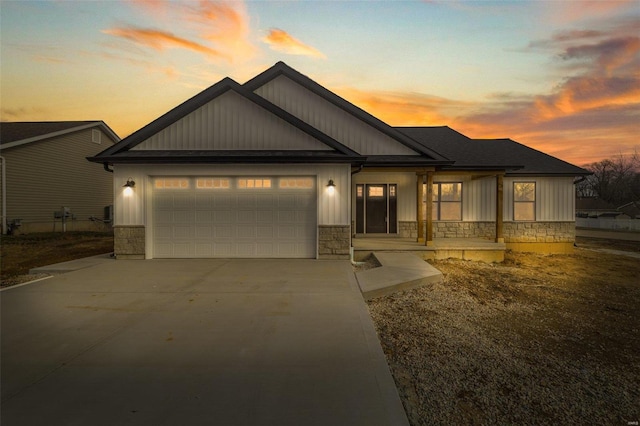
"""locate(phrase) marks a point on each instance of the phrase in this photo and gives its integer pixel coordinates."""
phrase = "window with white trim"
(252, 183)
(171, 183)
(524, 201)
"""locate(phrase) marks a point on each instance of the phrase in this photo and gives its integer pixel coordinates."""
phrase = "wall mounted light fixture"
(331, 187)
(130, 183)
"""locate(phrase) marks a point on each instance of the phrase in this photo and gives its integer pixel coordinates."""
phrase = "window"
(212, 183)
(254, 183)
(524, 201)
(359, 191)
(296, 183)
(447, 201)
(375, 191)
(172, 183)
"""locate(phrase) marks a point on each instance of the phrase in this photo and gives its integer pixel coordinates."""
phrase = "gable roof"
(122, 152)
(16, 133)
(280, 68)
(473, 154)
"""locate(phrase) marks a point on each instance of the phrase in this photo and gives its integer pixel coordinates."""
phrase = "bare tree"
(615, 180)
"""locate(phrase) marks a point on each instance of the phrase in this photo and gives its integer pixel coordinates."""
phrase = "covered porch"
(479, 249)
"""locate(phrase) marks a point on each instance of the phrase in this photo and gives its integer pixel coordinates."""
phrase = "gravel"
(535, 340)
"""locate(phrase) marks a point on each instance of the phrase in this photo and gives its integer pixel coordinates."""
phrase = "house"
(594, 207)
(282, 167)
(47, 184)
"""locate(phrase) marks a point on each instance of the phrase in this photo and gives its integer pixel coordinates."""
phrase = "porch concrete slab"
(73, 265)
(398, 271)
(195, 342)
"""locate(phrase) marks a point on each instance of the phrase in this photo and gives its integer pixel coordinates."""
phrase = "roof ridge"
(207, 95)
(281, 68)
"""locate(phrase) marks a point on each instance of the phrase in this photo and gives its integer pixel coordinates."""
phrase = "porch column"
(419, 205)
(429, 208)
(499, 207)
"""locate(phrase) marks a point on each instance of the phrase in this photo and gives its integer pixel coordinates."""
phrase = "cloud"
(565, 12)
(222, 24)
(401, 108)
(161, 40)
(282, 41)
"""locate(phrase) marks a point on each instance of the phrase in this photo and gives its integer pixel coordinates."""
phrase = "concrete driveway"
(195, 342)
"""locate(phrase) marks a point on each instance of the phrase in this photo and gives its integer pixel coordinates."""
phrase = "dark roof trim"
(240, 156)
(201, 99)
(281, 68)
(61, 128)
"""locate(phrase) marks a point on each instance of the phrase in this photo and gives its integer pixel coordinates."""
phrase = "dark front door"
(376, 209)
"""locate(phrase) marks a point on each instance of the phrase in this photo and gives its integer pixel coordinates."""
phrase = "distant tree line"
(615, 180)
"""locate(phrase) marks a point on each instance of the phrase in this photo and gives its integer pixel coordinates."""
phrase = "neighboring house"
(631, 210)
(44, 171)
(282, 167)
(594, 207)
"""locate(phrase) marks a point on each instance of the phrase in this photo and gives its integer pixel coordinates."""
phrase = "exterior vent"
(96, 136)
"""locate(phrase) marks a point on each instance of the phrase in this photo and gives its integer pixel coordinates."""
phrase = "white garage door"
(204, 217)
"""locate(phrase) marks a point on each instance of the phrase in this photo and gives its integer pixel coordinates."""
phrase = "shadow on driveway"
(190, 342)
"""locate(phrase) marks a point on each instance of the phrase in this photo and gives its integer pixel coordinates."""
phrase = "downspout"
(353, 262)
(3, 161)
(106, 167)
(582, 179)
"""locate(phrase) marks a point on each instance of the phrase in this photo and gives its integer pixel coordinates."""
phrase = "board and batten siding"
(330, 119)
(136, 209)
(44, 176)
(231, 122)
(555, 198)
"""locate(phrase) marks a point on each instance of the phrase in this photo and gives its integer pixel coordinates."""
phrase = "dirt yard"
(20, 253)
(535, 340)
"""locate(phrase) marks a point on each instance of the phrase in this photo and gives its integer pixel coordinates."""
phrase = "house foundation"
(129, 241)
(334, 241)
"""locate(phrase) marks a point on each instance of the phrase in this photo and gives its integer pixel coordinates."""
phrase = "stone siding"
(129, 242)
(539, 232)
(408, 229)
(334, 241)
(464, 229)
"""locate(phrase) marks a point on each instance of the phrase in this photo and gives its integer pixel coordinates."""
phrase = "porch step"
(399, 271)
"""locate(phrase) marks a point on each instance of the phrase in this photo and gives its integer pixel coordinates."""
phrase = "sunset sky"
(560, 76)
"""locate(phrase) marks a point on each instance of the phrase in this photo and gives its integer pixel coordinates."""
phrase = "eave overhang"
(226, 157)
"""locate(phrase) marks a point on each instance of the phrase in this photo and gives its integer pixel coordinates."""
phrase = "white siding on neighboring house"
(330, 119)
(131, 210)
(231, 122)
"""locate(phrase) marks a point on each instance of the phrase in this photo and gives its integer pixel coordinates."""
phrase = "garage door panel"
(264, 233)
(246, 249)
(221, 231)
(183, 233)
(247, 232)
(247, 201)
(246, 217)
(235, 222)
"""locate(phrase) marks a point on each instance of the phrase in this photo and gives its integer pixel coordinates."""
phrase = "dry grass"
(20, 253)
(535, 340)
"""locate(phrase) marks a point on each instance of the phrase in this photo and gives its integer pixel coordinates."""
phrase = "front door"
(376, 208)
